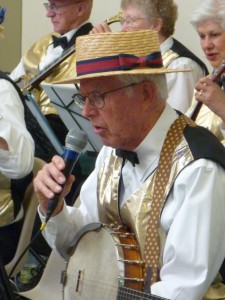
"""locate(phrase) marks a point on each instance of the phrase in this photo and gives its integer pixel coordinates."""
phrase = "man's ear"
(82, 8)
(149, 90)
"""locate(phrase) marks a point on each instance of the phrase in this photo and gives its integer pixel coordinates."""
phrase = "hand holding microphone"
(75, 143)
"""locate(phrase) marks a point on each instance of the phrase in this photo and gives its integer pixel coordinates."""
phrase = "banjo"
(104, 263)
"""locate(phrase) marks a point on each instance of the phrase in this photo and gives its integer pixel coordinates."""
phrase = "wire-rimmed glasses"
(95, 98)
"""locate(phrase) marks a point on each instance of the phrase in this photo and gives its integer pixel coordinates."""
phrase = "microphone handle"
(70, 157)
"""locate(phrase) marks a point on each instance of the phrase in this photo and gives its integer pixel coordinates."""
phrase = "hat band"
(118, 62)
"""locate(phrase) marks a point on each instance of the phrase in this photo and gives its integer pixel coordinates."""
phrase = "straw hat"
(117, 53)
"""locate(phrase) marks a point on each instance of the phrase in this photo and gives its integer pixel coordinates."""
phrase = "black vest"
(183, 51)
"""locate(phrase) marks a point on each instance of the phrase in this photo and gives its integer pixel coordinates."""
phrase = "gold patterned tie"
(152, 242)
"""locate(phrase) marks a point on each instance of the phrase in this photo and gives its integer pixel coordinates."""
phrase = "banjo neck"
(126, 294)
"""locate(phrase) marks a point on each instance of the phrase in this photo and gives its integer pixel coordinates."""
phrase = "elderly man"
(153, 175)
(69, 19)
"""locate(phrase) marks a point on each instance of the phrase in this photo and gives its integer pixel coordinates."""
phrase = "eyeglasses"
(96, 99)
(56, 8)
(130, 21)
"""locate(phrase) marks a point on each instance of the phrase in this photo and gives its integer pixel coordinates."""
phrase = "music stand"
(6, 291)
(5, 288)
(61, 96)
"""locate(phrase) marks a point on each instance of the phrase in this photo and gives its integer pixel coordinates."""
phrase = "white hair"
(159, 80)
(213, 10)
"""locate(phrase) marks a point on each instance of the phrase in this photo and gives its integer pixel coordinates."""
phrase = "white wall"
(35, 24)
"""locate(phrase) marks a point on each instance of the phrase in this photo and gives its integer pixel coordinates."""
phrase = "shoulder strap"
(197, 138)
(181, 50)
(152, 247)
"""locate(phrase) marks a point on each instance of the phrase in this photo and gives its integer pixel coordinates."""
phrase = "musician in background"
(209, 22)
(162, 16)
(16, 163)
(123, 92)
(69, 19)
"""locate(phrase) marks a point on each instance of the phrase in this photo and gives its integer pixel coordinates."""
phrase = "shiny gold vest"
(32, 58)
(168, 57)
(207, 119)
(6, 202)
(135, 212)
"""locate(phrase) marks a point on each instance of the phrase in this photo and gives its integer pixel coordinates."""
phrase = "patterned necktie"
(59, 41)
(128, 155)
(152, 241)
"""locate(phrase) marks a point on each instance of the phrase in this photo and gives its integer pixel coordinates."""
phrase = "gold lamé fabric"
(6, 202)
(207, 119)
(135, 212)
(168, 57)
(32, 58)
(216, 291)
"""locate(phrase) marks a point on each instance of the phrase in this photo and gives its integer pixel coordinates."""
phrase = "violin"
(215, 77)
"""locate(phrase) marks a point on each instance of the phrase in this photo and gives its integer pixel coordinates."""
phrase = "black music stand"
(6, 291)
(61, 96)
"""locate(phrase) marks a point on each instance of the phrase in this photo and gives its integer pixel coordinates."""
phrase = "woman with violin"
(209, 21)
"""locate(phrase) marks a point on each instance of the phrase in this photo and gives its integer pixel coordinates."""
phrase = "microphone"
(75, 142)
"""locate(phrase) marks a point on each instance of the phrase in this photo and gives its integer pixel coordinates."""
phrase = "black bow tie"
(59, 41)
(129, 155)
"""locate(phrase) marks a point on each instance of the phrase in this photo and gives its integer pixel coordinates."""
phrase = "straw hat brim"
(141, 71)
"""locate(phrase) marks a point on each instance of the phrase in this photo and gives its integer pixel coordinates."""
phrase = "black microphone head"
(76, 140)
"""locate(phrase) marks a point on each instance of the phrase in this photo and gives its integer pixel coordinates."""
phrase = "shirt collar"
(167, 44)
(150, 148)
(71, 33)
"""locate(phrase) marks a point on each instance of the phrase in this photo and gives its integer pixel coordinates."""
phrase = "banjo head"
(97, 268)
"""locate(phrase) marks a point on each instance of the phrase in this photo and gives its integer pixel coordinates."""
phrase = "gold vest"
(168, 57)
(135, 212)
(6, 202)
(32, 58)
(207, 119)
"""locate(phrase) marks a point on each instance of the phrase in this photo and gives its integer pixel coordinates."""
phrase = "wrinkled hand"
(211, 95)
(100, 28)
(49, 181)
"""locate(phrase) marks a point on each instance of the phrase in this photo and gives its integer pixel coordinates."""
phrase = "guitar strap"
(152, 241)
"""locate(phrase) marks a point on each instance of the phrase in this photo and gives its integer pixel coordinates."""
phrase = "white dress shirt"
(193, 217)
(51, 55)
(181, 84)
(18, 161)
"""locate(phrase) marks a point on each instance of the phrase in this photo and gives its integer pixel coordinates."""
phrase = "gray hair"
(213, 10)
(159, 80)
(164, 9)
